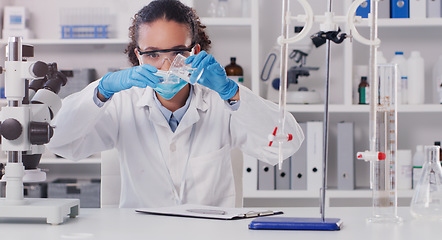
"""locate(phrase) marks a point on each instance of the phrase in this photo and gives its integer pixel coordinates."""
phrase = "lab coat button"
(172, 147)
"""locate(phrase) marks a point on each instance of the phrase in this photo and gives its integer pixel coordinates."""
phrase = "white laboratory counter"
(114, 223)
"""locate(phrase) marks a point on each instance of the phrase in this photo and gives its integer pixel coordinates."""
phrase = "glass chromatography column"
(383, 171)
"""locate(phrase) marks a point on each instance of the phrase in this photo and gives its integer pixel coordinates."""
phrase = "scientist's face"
(163, 35)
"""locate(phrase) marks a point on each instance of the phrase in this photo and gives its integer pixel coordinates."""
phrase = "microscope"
(299, 56)
(32, 102)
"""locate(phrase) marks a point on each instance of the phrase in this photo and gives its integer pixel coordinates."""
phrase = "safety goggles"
(156, 58)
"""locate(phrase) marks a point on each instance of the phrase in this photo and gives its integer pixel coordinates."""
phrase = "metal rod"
(14, 49)
(14, 53)
(326, 121)
(326, 125)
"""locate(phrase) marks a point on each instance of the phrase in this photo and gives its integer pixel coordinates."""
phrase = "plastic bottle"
(437, 143)
(381, 59)
(405, 169)
(418, 161)
(364, 91)
(402, 88)
(416, 78)
(437, 81)
(222, 8)
(234, 71)
(440, 93)
(213, 6)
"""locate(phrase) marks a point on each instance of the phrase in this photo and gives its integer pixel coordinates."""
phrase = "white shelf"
(341, 108)
(92, 160)
(55, 160)
(108, 41)
(406, 22)
(358, 193)
(230, 22)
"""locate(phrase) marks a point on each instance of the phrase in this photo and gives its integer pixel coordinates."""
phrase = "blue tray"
(289, 223)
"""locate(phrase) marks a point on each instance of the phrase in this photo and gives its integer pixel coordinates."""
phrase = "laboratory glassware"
(364, 91)
(234, 71)
(427, 199)
(179, 69)
(418, 162)
(384, 170)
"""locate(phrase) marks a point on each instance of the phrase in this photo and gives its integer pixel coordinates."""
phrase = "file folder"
(250, 174)
(364, 9)
(282, 177)
(418, 9)
(314, 155)
(434, 8)
(266, 176)
(384, 9)
(400, 8)
(345, 156)
(298, 160)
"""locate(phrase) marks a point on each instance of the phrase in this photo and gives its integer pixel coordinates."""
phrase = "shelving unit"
(417, 124)
(341, 108)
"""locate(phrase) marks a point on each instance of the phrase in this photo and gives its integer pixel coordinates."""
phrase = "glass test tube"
(384, 176)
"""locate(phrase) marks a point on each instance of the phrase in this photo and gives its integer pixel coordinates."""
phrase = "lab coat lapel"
(196, 107)
(154, 112)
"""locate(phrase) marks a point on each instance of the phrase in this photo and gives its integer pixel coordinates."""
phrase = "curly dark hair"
(170, 10)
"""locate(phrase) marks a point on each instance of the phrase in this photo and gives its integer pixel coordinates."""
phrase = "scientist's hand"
(139, 76)
(214, 75)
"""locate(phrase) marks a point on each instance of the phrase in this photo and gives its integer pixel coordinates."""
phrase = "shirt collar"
(199, 101)
(179, 113)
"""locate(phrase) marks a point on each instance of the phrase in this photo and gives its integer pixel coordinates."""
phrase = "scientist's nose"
(166, 64)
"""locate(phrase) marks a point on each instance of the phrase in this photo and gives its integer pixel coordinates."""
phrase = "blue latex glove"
(139, 76)
(214, 75)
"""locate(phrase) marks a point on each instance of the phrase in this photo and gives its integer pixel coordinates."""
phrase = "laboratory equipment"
(16, 22)
(218, 8)
(79, 23)
(437, 81)
(427, 199)
(211, 10)
(25, 129)
(405, 169)
(222, 9)
(329, 32)
(418, 162)
(234, 71)
(383, 170)
(179, 69)
(298, 54)
(364, 91)
(402, 91)
(416, 78)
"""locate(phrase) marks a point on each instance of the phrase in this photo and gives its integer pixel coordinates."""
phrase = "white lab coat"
(132, 122)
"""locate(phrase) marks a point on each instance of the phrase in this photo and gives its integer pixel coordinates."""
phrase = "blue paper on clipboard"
(290, 223)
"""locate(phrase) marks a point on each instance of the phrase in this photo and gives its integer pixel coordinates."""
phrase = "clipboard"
(202, 211)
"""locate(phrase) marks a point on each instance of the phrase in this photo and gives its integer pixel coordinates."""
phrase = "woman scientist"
(173, 140)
